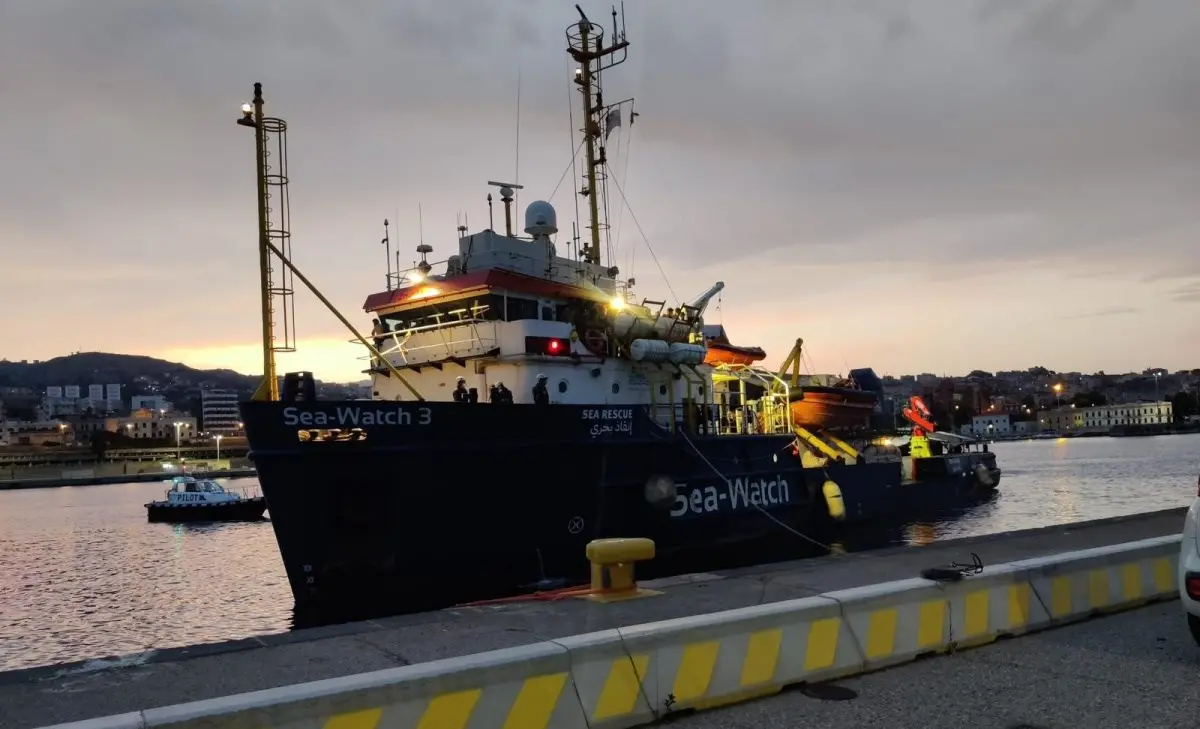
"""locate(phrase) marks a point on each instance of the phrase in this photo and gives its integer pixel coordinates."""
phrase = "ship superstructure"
(508, 310)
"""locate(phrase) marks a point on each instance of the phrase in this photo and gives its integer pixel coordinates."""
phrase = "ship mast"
(274, 240)
(586, 45)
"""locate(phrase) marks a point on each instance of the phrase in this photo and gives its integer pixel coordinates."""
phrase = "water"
(83, 575)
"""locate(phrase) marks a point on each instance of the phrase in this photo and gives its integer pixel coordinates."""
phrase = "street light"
(178, 449)
(218, 437)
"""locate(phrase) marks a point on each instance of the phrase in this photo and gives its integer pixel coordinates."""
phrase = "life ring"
(596, 342)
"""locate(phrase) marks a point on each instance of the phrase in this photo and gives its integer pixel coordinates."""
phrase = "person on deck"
(505, 394)
(701, 419)
(460, 390)
(541, 396)
(377, 332)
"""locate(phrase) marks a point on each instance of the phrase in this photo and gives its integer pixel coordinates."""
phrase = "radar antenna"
(585, 44)
(506, 197)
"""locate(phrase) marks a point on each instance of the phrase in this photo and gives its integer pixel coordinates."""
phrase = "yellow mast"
(274, 245)
(588, 49)
(252, 116)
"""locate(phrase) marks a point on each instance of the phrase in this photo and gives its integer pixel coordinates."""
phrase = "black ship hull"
(385, 507)
(244, 510)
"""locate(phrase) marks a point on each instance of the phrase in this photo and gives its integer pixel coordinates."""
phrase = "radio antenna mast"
(585, 44)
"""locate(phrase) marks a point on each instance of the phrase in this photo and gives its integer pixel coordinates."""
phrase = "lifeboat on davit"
(729, 354)
(841, 406)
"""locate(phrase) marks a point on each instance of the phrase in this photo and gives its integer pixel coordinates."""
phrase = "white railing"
(480, 338)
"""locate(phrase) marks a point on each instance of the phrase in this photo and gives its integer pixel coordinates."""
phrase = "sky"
(911, 185)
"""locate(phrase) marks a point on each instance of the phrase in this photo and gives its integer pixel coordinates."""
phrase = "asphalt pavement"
(1134, 670)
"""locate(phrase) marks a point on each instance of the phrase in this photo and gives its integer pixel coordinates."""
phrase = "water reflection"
(920, 534)
(82, 570)
(82, 574)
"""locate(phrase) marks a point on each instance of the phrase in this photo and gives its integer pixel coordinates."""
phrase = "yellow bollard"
(612, 563)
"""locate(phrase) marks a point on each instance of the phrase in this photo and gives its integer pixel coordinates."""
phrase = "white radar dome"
(540, 219)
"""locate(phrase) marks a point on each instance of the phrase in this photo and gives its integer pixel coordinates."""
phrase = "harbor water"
(83, 575)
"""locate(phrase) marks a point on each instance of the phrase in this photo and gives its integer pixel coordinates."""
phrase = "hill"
(136, 374)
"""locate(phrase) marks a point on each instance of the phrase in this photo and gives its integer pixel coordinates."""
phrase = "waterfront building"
(991, 424)
(1102, 418)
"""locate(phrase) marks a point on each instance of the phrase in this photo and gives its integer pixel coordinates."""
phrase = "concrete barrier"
(637, 675)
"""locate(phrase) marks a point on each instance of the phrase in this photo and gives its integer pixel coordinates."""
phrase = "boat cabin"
(189, 490)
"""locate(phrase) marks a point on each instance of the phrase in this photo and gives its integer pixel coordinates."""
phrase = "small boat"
(839, 406)
(191, 499)
(827, 401)
(731, 354)
(722, 352)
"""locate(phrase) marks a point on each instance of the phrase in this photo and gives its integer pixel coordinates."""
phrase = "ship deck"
(48, 695)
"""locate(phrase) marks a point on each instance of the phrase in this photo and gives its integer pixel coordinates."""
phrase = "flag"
(612, 121)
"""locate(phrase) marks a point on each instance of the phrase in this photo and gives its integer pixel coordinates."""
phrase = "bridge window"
(521, 309)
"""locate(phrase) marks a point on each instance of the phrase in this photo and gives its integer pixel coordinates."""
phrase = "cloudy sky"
(914, 185)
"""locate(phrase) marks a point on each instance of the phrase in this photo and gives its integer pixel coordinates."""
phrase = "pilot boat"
(192, 499)
(524, 402)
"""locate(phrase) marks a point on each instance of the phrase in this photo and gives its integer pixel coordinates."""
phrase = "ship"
(524, 402)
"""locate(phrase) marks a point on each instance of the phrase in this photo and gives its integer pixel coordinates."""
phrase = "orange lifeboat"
(728, 354)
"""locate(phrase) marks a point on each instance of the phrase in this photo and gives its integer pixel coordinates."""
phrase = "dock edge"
(641, 674)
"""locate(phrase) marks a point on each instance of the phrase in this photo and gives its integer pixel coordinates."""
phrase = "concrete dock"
(1136, 669)
(39, 697)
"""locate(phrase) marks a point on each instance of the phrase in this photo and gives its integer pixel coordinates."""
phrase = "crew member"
(505, 394)
(494, 394)
(460, 390)
(701, 419)
(541, 396)
(377, 332)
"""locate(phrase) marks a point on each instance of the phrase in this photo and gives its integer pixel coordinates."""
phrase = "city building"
(34, 433)
(154, 424)
(1025, 427)
(85, 427)
(1102, 418)
(219, 411)
(62, 400)
(149, 402)
(993, 424)
(112, 397)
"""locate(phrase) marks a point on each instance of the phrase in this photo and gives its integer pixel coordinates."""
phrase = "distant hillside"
(102, 368)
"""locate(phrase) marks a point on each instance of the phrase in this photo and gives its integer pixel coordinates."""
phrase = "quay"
(110, 686)
(1136, 669)
(100, 480)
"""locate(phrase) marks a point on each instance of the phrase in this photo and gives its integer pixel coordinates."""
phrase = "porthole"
(562, 385)
(616, 388)
(662, 389)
